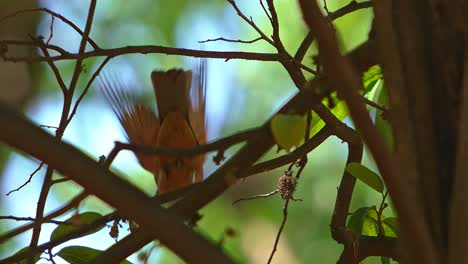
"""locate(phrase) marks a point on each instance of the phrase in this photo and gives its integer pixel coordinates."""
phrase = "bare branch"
(250, 22)
(147, 49)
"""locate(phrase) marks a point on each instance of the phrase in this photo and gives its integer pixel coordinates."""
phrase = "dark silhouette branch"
(147, 49)
(130, 202)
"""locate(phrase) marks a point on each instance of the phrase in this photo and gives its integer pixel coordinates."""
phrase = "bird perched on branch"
(178, 124)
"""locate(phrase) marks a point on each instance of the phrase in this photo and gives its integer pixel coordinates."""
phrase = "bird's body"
(180, 124)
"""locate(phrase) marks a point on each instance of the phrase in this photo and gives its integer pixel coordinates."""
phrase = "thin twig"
(266, 12)
(217, 145)
(68, 95)
(7, 42)
(325, 7)
(275, 25)
(71, 204)
(278, 235)
(53, 14)
(57, 181)
(51, 34)
(62, 239)
(47, 126)
(147, 49)
(375, 105)
(231, 40)
(301, 163)
(16, 218)
(52, 66)
(88, 85)
(28, 181)
(250, 22)
(255, 197)
(349, 8)
(292, 156)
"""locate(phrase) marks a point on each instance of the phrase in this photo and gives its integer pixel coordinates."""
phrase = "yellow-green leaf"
(365, 175)
(288, 130)
(390, 226)
(81, 255)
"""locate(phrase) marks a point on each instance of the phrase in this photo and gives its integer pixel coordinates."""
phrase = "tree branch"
(347, 83)
(130, 201)
(147, 49)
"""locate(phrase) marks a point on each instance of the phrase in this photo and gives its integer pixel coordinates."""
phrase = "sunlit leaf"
(365, 175)
(370, 224)
(288, 130)
(356, 220)
(390, 227)
(340, 111)
(75, 222)
(81, 255)
(370, 77)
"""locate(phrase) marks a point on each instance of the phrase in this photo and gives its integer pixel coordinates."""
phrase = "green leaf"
(370, 224)
(288, 130)
(340, 111)
(390, 226)
(365, 175)
(370, 77)
(25, 260)
(81, 255)
(356, 221)
(75, 222)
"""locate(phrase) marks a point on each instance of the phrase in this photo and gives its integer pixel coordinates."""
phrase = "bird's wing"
(197, 114)
(139, 122)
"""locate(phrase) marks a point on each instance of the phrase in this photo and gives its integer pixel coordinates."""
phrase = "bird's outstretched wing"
(139, 122)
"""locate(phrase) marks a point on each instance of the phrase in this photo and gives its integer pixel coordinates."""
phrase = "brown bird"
(179, 124)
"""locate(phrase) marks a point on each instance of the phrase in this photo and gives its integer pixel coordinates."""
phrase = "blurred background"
(241, 95)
